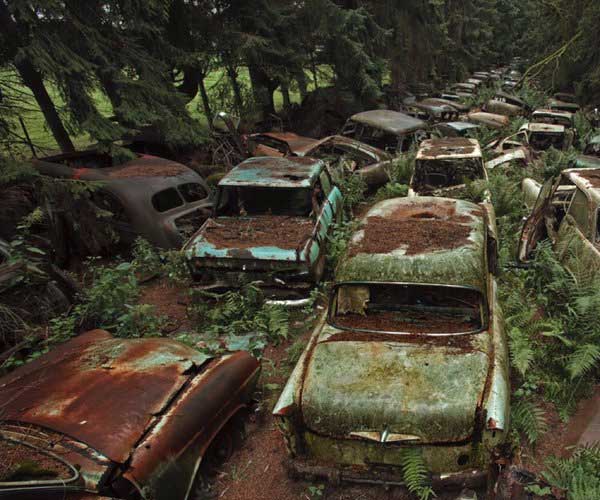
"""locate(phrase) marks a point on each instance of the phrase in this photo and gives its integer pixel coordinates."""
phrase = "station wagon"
(411, 352)
(271, 226)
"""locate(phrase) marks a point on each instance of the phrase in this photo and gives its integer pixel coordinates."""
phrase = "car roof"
(461, 125)
(449, 147)
(267, 171)
(393, 122)
(553, 112)
(100, 390)
(298, 144)
(418, 240)
(586, 179)
(543, 127)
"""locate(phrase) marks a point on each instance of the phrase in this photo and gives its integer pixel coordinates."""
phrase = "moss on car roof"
(419, 240)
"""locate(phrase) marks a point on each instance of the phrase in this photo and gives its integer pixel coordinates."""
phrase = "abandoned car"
(391, 131)
(490, 120)
(271, 226)
(502, 108)
(553, 117)
(464, 89)
(565, 211)
(162, 201)
(591, 154)
(368, 162)
(456, 104)
(543, 136)
(444, 167)
(560, 105)
(411, 353)
(133, 419)
(430, 111)
(520, 156)
(455, 129)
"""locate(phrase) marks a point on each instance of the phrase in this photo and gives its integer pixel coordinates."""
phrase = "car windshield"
(252, 200)
(436, 174)
(407, 308)
(544, 140)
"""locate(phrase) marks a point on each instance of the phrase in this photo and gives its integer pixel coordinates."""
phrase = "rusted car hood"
(276, 238)
(95, 389)
(428, 391)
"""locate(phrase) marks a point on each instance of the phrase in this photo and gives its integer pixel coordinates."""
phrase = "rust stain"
(96, 389)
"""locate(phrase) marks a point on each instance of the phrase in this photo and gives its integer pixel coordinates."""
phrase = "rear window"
(166, 200)
(192, 192)
(543, 141)
(407, 308)
(436, 174)
(265, 201)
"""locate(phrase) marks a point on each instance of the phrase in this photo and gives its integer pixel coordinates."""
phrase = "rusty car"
(130, 419)
(271, 225)
(430, 110)
(502, 108)
(347, 156)
(490, 120)
(564, 210)
(520, 156)
(411, 352)
(455, 129)
(554, 117)
(160, 200)
(543, 136)
(464, 89)
(444, 167)
(559, 103)
(392, 131)
(453, 103)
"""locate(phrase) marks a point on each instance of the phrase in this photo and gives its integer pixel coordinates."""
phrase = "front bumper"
(383, 475)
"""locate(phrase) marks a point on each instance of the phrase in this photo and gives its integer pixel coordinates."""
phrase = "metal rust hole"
(463, 459)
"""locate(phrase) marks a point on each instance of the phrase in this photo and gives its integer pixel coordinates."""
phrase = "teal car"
(591, 154)
(270, 226)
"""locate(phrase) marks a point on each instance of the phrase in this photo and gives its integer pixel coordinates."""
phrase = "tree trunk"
(237, 93)
(206, 103)
(302, 84)
(262, 88)
(32, 79)
(285, 92)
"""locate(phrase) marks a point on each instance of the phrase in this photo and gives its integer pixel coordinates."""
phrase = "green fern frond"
(528, 418)
(415, 473)
(583, 359)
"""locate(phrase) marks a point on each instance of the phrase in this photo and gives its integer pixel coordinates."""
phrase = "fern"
(529, 419)
(583, 359)
(415, 473)
(578, 475)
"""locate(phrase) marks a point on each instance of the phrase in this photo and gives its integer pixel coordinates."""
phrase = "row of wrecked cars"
(410, 353)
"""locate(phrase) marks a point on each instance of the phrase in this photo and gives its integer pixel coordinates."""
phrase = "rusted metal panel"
(393, 122)
(175, 444)
(451, 147)
(100, 390)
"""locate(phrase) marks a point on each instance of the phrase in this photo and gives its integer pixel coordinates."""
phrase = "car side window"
(579, 210)
(110, 203)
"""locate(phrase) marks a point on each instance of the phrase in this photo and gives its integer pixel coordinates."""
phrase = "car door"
(534, 228)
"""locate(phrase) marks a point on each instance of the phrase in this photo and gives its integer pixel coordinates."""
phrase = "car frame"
(446, 153)
(392, 131)
(357, 397)
(565, 210)
(222, 255)
(131, 191)
(125, 418)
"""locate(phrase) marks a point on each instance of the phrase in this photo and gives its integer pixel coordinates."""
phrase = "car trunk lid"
(406, 392)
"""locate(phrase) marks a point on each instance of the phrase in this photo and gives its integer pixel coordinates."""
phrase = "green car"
(411, 352)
